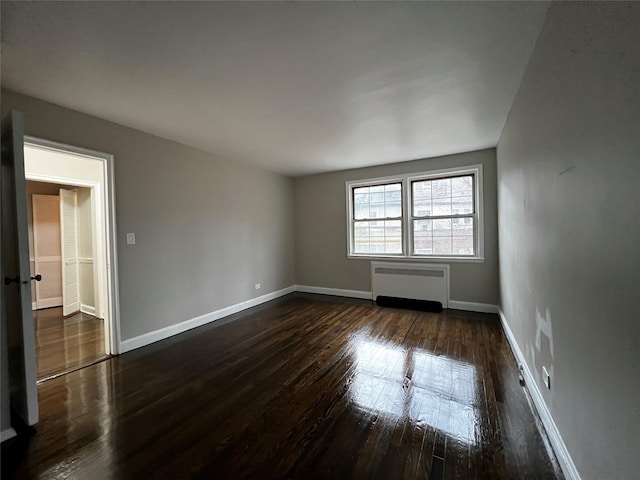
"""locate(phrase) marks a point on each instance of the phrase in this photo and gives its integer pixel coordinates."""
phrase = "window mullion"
(407, 223)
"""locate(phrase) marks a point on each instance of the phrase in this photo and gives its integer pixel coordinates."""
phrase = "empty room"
(320, 240)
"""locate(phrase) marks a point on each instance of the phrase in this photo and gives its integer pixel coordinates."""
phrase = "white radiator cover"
(419, 281)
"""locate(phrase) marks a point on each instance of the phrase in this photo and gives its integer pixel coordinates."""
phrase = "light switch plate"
(131, 238)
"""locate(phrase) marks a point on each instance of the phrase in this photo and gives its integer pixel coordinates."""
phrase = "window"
(377, 219)
(431, 215)
(443, 216)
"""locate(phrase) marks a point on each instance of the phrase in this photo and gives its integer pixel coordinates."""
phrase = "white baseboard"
(34, 306)
(559, 447)
(473, 306)
(157, 335)
(88, 309)
(161, 334)
(339, 292)
(6, 434)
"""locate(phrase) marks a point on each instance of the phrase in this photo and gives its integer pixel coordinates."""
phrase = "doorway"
(68, 333)
(76, 315)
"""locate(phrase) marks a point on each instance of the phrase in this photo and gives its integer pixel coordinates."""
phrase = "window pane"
(463, 245)
(361, 237)
(442, 246)
(377, 237)
(379, 201)
(443, 196)
(442, 236)
(462, 195)
(421, 198)
(377, 193)
(462, 226)
(442, 227)
(442, 206)
(423, 237)
(362, 211)
(393, 236)
(441, 188)
(393, 200)
(361, 202)
(393, 209)
(376, 210)
(393, 187)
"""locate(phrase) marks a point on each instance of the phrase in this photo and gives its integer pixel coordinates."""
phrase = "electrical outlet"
(257, 286)
(131, 238)
(546, 377)
(521, 375)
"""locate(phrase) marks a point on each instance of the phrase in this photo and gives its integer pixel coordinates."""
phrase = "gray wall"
(206, 229)
(321, 230)
(569, 199)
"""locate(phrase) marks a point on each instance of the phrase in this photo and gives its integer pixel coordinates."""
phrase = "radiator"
(410, 280)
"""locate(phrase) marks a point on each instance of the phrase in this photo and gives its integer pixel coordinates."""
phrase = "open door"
(46, 250)
(69, 238)
(17, 316)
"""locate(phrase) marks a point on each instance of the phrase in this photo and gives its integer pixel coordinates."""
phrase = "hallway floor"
(66, 344)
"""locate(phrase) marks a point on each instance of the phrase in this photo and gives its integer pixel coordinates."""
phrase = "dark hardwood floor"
(66, 344)
(303, 387)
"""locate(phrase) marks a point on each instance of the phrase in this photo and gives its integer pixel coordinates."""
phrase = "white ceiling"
(296, 88)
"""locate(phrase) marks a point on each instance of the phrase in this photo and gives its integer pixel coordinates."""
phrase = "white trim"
(85, 260)
(171, 330)
(40, 177)
(163, 333)
(473, 306)
(559, 447)
(6, 434)
(88, 309)
(338, 292)
(104, 242)
(34, 306)
(453, 304)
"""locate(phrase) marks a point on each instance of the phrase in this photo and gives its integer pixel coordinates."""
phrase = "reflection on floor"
(307, 386)
(65, 344)
(427, 389)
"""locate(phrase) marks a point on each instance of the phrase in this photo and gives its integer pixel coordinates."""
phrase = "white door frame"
(103, 210)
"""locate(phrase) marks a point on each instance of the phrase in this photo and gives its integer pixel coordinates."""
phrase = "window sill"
(419, 259)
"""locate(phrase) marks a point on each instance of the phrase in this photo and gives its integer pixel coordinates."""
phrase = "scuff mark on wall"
(541, 351)
(566, 170)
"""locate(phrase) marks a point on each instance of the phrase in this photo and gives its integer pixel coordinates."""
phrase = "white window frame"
(407, 213)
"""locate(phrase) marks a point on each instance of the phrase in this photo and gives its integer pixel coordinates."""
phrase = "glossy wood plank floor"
(304, 387)
(65, 344)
